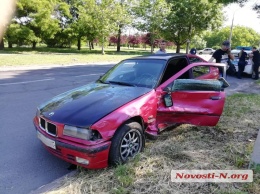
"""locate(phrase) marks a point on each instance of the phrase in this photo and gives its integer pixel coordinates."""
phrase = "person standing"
(256, 60)
(162, 49)
(241, 63)
(222, 55)
(193, 51)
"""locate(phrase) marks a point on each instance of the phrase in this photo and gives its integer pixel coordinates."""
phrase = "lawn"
(65, 56)
(224, 147)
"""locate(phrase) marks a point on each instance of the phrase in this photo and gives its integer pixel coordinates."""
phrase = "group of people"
(224, 53)
(255, 55)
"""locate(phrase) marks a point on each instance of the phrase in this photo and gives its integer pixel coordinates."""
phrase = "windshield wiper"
(101, 81)
(121, 83)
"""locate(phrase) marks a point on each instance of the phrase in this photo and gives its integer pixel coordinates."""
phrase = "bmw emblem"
(51, 114)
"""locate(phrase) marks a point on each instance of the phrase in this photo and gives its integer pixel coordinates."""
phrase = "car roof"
(245, 47)
(165, 56)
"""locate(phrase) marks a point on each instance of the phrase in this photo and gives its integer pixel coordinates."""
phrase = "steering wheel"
(146, 79)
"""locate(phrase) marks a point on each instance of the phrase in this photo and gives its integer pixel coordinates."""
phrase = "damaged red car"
(105, 122)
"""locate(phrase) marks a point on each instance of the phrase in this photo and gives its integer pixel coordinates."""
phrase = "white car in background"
(209, 51)
(248, 68)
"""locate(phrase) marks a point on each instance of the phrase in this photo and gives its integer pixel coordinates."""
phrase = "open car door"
(192, 101)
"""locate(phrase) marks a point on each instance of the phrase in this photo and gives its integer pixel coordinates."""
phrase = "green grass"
(223, 147)
(24, 56)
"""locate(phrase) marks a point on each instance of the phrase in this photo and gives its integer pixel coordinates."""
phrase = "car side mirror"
(168, 100)
(167, 97)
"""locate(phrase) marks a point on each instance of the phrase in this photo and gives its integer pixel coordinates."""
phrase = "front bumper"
(96, 155)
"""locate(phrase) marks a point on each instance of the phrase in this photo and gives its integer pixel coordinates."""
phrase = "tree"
(150, 15)
(105, 18)
(242, 36)
(65, 13)
(36, 15)
(123, 18)
(190, 18)
(112, 40)
(134, 40)
(2, 44)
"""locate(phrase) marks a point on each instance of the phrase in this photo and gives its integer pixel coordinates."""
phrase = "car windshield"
(135, 72)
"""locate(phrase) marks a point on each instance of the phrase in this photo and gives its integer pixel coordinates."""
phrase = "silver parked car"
(206, 51)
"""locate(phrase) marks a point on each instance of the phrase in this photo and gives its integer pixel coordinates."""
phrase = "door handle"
(215, 97)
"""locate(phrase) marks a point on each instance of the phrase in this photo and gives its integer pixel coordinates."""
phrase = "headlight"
(80, 133)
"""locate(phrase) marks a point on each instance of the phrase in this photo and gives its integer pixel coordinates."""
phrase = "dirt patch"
(246, 85)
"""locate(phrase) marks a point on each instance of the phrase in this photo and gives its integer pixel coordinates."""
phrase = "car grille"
(48, 127)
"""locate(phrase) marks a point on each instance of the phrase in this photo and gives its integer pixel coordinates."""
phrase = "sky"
(243, 16)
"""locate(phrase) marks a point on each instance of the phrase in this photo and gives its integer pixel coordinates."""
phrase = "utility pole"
(231, 28)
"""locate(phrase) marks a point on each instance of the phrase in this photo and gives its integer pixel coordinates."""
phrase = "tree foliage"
(62, 23)
(242, 36)
(150, 17)
(35, 19)
(190, 18)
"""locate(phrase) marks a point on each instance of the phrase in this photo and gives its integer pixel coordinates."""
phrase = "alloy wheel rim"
(130, 145)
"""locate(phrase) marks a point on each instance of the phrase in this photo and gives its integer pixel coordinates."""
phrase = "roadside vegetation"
(65, 56)
(66, 23)
(22, 56)
(227, 146)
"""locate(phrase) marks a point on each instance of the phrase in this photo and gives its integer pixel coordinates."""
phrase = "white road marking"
(26, 82)
(41, 80)
(87, 75)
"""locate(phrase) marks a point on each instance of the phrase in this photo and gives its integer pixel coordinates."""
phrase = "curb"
(54, 184)
(255, 157)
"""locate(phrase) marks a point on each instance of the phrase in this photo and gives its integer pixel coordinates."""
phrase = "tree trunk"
(89, 45)
(178, 48)
(10, 44)
(103, 49)
(34, 45)
(2, 46)
(118, 39)
(187, 47)
(92, 45)
(79, 44)
(152, 43)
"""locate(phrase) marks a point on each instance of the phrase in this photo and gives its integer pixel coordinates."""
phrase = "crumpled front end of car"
(91, 153)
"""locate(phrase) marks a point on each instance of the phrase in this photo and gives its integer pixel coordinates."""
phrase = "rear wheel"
(126, 143)
(200, 53)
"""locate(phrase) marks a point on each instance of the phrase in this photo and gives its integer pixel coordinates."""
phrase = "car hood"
(86, 105)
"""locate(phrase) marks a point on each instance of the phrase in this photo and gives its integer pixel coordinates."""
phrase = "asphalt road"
(24, 163)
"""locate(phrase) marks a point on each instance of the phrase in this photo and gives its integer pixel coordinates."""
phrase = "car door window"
(173, 67)
(195, 60)
(198, 71)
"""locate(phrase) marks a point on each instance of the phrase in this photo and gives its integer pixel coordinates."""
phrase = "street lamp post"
(231, 28)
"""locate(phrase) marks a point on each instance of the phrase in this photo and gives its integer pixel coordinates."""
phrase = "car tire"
(127, 142)
(211, 53)
(200, 53)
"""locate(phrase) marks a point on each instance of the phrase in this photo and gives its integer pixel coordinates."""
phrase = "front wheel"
(126, 143)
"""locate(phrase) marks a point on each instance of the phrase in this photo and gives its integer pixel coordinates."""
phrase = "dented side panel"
(197, 108)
